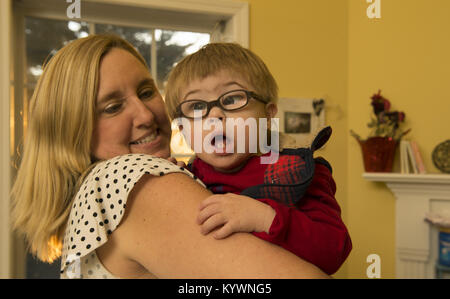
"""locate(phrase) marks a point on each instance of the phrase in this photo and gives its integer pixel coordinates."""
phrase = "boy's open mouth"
(221, 144)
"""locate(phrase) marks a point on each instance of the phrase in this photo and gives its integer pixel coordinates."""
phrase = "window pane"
(140, 38)
(46, 36)
(172, 46)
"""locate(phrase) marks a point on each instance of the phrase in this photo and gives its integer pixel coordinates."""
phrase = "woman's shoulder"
(141, 163)
(99, 204)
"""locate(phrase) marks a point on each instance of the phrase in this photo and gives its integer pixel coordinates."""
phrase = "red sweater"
(313, 230)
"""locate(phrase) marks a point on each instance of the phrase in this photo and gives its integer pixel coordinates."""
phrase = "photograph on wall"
(301, 118)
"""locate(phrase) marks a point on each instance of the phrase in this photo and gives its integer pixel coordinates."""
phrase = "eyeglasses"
(229, 101)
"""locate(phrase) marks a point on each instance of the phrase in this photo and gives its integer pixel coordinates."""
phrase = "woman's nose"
(143, 115)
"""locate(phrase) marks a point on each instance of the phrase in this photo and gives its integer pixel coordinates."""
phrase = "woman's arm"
(159, 231)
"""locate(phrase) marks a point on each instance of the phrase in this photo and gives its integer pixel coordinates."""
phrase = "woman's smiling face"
(130, 113)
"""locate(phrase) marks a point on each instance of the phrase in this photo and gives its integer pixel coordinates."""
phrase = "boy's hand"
(178, 163)
(229, 213)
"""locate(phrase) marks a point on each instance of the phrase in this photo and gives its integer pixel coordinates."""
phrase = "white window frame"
(234, 27)
(5, 154)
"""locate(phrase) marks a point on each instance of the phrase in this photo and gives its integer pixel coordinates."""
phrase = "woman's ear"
(271, 110)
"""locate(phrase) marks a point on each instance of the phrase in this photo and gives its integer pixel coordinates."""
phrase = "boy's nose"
(216, 112)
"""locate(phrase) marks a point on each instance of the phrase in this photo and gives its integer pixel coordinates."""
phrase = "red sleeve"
(314, 230)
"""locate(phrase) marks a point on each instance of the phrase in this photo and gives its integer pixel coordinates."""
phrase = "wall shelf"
(416, 240)
(431, 178)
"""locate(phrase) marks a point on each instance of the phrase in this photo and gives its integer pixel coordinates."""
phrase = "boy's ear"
(271, 110)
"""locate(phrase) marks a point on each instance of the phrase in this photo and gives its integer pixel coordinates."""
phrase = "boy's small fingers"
(207, 212)
(211, 223)
(223, 232)
(209, 200)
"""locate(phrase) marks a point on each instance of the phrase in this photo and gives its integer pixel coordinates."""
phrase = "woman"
(97, 133)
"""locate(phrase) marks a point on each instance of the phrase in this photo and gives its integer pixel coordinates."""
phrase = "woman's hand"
(229, 213)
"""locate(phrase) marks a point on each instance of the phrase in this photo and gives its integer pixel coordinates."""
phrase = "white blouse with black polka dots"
(98, 208)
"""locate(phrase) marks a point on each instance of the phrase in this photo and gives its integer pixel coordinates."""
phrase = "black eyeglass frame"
(217, 103)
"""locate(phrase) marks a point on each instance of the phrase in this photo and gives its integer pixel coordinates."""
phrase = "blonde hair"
(57, 146)
(216, 57)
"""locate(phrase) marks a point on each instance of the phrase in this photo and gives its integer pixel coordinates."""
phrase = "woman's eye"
(146, 94)
(113, 108)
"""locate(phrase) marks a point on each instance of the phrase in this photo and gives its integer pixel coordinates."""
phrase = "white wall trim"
(154, 13)
(5, 58)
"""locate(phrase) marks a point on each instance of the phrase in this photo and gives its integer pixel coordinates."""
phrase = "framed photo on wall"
(301, 118)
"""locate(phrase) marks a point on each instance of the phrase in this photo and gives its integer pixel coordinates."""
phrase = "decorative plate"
(441, 156)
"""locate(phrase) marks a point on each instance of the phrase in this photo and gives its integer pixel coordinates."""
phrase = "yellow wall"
(331, 47)
(406, 54)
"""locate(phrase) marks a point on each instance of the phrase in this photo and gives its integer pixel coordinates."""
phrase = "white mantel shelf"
(416, 240)
(432, 178)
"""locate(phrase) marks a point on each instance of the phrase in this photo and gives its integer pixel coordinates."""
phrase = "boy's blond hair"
(216, 57)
